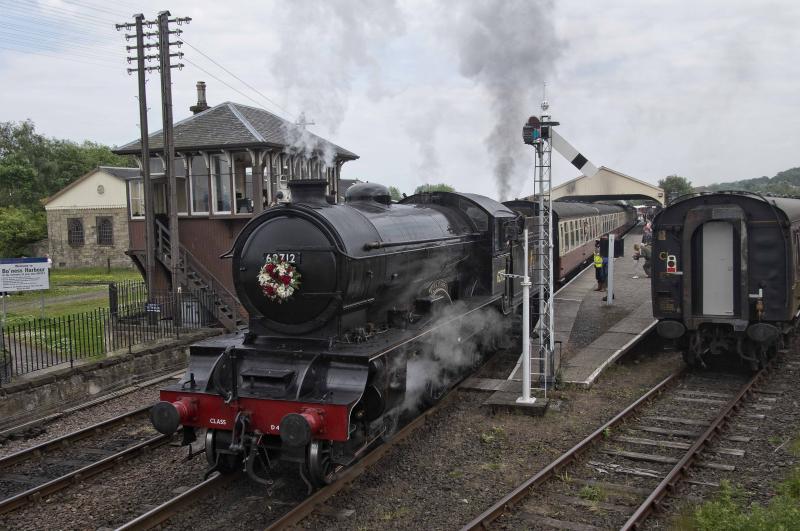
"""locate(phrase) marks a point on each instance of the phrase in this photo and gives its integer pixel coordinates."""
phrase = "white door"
(718, 285)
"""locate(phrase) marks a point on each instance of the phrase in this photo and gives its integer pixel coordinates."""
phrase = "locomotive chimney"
(310, 191)
(201, 99)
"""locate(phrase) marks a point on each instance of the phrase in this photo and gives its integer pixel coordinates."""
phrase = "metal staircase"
(195, 277)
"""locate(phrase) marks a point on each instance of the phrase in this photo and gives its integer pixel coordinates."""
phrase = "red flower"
(270, 268)
(286, 279)
(269, 290)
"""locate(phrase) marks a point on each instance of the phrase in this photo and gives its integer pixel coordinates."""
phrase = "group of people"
(641, 251)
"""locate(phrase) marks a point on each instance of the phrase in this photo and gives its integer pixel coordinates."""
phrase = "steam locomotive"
(396, 301)
(726, 276)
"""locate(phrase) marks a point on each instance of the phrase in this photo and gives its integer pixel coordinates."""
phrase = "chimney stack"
(201, 99)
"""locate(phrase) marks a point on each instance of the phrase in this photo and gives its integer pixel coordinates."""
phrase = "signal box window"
(75, 232)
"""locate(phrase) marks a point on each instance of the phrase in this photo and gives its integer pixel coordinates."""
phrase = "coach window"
(75, 232)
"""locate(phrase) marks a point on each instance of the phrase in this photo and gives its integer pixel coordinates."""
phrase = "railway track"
(304, 508)
(31, 474)
(617, 476)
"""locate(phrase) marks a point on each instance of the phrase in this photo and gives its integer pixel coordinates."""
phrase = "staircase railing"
(229, 313)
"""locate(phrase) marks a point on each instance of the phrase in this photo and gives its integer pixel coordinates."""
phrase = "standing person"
(645, 252)
(598, 266)
(647, 233)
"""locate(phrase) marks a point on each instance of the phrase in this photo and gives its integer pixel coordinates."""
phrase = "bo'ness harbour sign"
(24, 274)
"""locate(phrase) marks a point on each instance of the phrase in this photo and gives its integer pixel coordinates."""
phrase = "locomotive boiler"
(726, 275)
(357, 312)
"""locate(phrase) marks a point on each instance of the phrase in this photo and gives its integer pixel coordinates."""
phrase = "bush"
(18, 229)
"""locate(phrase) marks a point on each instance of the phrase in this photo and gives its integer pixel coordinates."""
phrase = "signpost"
(23, 274)
(20, 274)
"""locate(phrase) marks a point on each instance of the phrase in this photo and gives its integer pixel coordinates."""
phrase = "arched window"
(105, 231)
(75, 232)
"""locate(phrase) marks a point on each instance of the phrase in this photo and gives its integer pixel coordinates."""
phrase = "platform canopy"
(608, 184)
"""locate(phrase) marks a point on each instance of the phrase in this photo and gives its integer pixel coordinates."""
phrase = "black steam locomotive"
(360, 313)
(727, 275)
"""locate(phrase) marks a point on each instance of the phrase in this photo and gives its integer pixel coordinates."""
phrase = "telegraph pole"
(165, 67)
(149, 215)
(165, 54)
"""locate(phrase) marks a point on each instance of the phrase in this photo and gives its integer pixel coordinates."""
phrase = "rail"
(163, 512)
(679, 470)
(495, 511)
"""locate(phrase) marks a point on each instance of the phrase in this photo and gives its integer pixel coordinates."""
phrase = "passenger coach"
(726, 274)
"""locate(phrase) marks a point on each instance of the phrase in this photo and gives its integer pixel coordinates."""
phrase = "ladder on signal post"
(542, 362)
(542, 359)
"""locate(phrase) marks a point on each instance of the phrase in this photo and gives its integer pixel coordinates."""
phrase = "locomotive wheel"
(217, 442)
(320, 463)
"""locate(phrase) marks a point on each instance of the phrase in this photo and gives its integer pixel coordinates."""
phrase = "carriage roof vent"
(368, 192)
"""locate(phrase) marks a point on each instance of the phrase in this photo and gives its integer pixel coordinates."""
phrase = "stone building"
(87, 221)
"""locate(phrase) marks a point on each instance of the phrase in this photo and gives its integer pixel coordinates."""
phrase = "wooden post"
(257, 161)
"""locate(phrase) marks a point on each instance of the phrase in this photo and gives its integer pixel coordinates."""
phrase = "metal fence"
(48, 342)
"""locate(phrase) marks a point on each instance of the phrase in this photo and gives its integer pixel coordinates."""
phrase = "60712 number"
(274, 258)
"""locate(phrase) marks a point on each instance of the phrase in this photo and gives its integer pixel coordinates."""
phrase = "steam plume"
(508, 47)
(324, 45)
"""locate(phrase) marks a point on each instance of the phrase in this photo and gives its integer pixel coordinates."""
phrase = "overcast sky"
(437, 91)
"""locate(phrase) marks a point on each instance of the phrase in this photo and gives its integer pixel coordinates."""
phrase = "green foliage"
(395, 193)
(18, 228)
(494, 435)
(441, 187)
(783, 183)
(728, 510)
(591, 493)
(33, 167)
(675, 186)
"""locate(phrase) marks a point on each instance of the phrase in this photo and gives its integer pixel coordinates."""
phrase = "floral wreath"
(278, 279)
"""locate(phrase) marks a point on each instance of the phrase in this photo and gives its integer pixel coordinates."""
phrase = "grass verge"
(730, 510)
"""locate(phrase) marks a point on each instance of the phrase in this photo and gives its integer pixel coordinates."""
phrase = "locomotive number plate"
(292, 258)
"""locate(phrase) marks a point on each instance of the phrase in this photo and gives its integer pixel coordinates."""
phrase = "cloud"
(706, 90)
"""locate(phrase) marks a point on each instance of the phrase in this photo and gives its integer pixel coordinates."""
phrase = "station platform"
(590, 334)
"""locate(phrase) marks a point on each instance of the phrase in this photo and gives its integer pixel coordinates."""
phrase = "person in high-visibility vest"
(599, 270)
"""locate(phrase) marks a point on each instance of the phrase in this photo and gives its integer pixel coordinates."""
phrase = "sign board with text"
(24, 274)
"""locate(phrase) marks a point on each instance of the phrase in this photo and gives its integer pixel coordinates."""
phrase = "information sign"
(24, 274)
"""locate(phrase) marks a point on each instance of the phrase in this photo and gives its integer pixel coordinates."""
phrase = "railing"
(42, 343)
(188, 264)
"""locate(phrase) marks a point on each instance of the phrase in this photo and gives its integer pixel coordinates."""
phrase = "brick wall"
(90, 254)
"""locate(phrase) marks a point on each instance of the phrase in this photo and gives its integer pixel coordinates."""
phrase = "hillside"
(786, 182)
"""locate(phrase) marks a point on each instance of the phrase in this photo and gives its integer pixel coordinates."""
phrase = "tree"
(395, 193)
(441, 187)
(18, 228)
(33, 167)
(675, 186)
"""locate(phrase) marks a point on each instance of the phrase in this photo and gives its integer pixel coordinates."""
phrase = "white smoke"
(324, 45)
(300, 141)
(508, 47)
(450, 351)
(422, 127)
